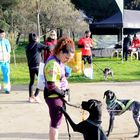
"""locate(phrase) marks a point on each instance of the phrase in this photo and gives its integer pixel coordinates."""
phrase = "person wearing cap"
(33, 54)
(5, 50)
(51, 42)
(86, 43)
(56, 84)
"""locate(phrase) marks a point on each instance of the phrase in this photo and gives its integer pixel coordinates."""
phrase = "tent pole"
(122, 27)
(122, 44)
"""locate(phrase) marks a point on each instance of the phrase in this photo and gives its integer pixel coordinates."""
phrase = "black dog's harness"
(100, 130)
(114, 103)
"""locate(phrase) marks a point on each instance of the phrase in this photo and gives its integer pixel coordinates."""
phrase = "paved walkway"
(21, 120)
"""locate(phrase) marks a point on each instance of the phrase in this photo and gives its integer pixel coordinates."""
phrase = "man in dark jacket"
(126, 45)
(33, 53)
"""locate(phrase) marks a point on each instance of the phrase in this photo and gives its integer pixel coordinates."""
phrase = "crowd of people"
(54, 53)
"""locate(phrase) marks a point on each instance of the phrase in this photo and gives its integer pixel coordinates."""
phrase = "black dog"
(107, 72)
(117, 107)
(90, 128)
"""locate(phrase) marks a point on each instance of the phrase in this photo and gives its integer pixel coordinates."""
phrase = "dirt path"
(20, 120)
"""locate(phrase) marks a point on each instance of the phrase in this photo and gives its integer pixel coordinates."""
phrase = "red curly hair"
(64, 43)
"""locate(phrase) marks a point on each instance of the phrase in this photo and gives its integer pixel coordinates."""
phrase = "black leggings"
(33, 72)
(87, 59)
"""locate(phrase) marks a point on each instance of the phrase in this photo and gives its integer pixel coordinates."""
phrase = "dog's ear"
(104, 95)
(106, 92)
(94, 103)
(90, 104)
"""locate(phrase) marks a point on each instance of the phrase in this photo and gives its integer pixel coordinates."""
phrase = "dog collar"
(94, 122)
(110, 103)
(100, 130)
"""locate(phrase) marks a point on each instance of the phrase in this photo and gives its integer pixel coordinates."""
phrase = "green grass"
(123, 72)
(19, 74)
(20, 53)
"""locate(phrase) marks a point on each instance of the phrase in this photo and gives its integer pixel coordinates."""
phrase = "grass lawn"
(123, 72)
(127, 71)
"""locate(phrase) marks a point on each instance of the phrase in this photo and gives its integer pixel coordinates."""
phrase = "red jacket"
(136, 43)
(51, 44)
(86, 44)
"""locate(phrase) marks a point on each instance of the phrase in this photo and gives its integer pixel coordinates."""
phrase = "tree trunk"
(43, 34)
(14, 55)
(59, 32)
(18, 37)
(73, 35)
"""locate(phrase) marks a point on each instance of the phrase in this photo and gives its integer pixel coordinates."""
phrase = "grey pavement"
(21, 120)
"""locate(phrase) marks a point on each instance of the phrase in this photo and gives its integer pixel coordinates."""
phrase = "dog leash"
(83, 115)
(76, 106)
(72, 105)
(98, 67)
(67, 121)
(65, 102)
(69, 104)
(68, 129)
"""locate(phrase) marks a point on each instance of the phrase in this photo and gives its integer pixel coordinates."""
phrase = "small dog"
(118, 107)
(107, 72)
(90, 128)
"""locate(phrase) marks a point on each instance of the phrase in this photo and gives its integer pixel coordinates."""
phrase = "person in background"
(135, 42)
(5, 50)
(51, 42)
(33, 53)
(126, 45)
(86, 43)
(56, 85)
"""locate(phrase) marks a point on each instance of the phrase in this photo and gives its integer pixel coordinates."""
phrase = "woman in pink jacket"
(51, 42)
